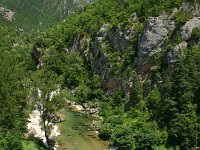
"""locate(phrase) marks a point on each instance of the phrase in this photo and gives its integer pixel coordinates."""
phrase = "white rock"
(186, 30)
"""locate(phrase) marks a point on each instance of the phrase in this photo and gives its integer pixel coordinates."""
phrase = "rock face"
(186, 30)
(194, 9)
(38, 57)
(7, 13)
(175, 53)
(94, 50)
(98, 49)
(119, 40)
(154, 35)
(151, 50)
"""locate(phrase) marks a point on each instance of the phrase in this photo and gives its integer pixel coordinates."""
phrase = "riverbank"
(78, 130)
(84, 108)
(34, 128)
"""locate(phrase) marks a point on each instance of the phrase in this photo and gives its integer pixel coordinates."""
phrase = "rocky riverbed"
(84, 108)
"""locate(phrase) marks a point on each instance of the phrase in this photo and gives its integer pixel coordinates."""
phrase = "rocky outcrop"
(85, 108)
(193, 9)
(78, 43)
(176, 53)
(186, 30)
(157, 32)
(98, 50)
(7, 13)
(119, 40)
(38, 57)
(152, 47)
(152, 39)
(94, 50)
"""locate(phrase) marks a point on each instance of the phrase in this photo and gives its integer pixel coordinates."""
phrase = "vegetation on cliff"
(99, 53)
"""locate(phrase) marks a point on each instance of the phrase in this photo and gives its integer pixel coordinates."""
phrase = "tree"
(153, 102)
(195, 34)
(122, 137)
(145, 131)
(13, 94)
(48, 99)
(12, 102)
(183, 128)
(70, 66)
(136, 94)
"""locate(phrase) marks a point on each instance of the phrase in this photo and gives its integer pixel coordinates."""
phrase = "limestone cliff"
(162, 40)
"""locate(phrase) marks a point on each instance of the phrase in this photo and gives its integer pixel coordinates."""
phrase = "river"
(75, 134)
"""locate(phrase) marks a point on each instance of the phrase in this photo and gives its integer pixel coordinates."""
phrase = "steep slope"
(138, 60)
(13, 98)
(125, 38)
(40, 14)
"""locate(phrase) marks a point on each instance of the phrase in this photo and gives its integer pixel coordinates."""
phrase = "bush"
(196, 34)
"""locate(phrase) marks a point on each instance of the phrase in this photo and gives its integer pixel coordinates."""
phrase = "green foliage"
(186, 84)
(146, 132)
(39, 15)
(162, 117)
(82, 93)
(134, 131)
(123, 139)
(13, 94)
(146, 8)
(183, 128)
(31, 145)
(106, 131)
(136, 95)
(70, 66)
(160, 147)
(153, 102)
(118, 97)
(166, 119)
(196, 34)
(12, 140)
(138, 119)
(182, 17)
(48, 99)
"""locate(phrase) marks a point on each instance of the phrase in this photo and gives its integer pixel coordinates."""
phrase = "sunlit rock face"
(152, 39)
(155, 45)
(186, 30)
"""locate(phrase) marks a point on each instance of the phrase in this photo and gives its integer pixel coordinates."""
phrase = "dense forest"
(40, 15)
(137, 61)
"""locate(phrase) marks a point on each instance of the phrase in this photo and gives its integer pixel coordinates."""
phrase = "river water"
(75, 133)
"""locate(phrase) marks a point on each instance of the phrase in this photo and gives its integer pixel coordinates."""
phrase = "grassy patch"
(31, 145)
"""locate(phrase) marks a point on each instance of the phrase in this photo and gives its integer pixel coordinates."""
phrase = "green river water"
(75, 134)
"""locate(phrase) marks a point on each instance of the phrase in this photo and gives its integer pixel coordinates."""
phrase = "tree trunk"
(46, 132)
